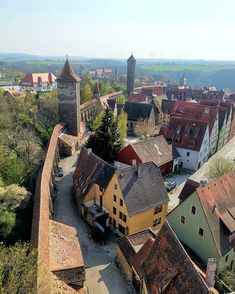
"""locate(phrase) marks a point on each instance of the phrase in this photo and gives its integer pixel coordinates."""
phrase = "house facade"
(204, 221)
(126, 200)
(191, 139)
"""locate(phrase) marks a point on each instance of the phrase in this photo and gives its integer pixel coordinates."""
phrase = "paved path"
(102, 276)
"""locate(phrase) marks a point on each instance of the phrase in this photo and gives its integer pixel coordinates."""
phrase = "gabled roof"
(168, 267)
(185, 133)
(91, 170)
(68, 74)
(218, 202)
(136, 111)
(131, 57)
(189, 187)
(35, 78)
(154, 149)
(167, 106)
(142, 187)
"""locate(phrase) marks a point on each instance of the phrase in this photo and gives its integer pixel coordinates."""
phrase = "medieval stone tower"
(68, 86)
(130, 74)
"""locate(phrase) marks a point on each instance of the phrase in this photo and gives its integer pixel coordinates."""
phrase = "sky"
(184, 29)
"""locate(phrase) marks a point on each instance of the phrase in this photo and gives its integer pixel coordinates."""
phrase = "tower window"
(114, 198)
(182, 219)
(121, 202)
(114, 210)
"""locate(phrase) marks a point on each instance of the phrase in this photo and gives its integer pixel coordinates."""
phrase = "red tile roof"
(218, 202)
(19, 94)
(185, 133)
(67, 73)
(168, 267)
(35, 78)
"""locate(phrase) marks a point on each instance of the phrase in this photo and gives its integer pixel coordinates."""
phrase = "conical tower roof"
(96, 88)
(131, 57)
(68, 74)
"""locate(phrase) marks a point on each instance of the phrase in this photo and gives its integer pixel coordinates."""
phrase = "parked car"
(170, 186)
(60, 172)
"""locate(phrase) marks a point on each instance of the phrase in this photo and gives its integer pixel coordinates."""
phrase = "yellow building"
(127, 199)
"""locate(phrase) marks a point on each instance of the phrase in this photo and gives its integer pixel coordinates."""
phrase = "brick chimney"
(210, 272)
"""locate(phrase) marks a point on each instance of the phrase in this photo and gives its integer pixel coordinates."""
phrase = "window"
(121, 229)
(120, 214)
(115, 186)
(156, 222)
(188, 153)
(226, 258)
(158, 209)
(114, 198)
(114, 210)
(201, 232)
(193, 210)
(121, 202)
(182, 219)
(124, 218)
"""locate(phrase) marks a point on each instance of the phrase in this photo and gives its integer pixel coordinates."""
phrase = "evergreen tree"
(122, 126)
(106, 141)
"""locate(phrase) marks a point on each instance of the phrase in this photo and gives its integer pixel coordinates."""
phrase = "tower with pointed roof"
(68, 86)
(130, 74)
(96, 91)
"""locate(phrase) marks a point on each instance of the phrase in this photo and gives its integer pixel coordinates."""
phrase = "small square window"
(156, 222)
(201, 232)
(182, 219)
(121, 202)
(114, 210)
(158, 209)
(188, 153)
(115, 186)
(114, 198)
(120, 214)
(193, 210)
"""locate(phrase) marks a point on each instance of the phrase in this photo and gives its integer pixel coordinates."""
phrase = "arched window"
(193, 210)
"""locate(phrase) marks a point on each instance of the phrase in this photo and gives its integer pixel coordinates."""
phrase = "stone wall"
(42, 211)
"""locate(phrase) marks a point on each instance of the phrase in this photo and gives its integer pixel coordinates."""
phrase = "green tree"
(106, 141)
(97, 121)
(86, 93)
(121, 99)
(226, 275)
(220, 167)
(122, 126)
(142, 128)
(18, 269)
(7, 224)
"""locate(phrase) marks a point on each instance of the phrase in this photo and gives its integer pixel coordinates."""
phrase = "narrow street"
(102, 275)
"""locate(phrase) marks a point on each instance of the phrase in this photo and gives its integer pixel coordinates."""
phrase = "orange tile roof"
(67, 73)
(65, 250)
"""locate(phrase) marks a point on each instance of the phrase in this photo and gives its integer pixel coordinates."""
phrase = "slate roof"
(136, 111)
(189, 187)
(185, 133)
(68, 74)
(167, 106)
(154, 149)
(90, 170)
(142, 187)
(168, 265)
(218, 202)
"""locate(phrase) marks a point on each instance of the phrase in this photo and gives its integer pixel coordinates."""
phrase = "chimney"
(138, 170)
(89, 150)
(133, 162)
(210, 272)
(203, 183)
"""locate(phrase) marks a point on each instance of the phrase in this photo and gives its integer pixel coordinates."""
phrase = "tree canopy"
(220, 167)
(106, 141)
(122, 126)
